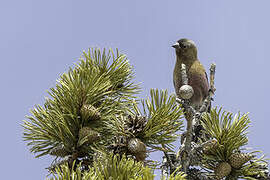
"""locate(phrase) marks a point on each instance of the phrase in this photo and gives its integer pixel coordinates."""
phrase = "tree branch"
(185, 158)
(188, 150)
(212, 89)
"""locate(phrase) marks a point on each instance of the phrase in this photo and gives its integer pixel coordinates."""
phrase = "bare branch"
(184, 74)
(212, 89)
(190, 150)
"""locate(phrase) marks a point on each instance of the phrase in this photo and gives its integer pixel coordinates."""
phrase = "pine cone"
(209, 146)
(222, 170)
(87, 135)
(238, 159)
(140, 156)
(137, 148)
(89, 112)
(59, 151)
(135, 125)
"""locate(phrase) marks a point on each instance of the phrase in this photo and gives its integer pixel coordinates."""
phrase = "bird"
(186, 53)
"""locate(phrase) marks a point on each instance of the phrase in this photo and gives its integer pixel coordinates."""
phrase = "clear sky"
(39, 40)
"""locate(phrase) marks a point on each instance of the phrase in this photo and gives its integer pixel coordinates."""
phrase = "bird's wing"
(198, 79)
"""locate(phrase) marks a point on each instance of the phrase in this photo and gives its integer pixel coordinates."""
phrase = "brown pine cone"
(222, 170)
(89, 112)
(135, 125)
(239, 159)
(137, 148)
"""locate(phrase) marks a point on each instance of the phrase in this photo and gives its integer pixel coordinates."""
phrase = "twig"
(212, 89)
(187, 153)
(185, 159)
(168, 161)
(184, 74)
(190, 153)
(164, 171)
(212, 78)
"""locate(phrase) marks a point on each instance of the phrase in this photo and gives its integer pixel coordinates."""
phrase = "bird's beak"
(176, 45)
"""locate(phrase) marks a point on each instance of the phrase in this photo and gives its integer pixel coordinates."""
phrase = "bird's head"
(186, 49)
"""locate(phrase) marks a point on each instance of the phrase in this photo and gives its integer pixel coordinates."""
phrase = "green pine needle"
(229, 131)
(101, 79)
(107, 167)
(164, 119)
(110, 166)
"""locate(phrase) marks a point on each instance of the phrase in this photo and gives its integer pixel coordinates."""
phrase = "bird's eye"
(183, 46)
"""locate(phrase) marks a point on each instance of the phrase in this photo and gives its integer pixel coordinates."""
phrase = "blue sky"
(39, 40)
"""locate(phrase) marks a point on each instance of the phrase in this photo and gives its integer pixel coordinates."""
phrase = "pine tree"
(96, 127)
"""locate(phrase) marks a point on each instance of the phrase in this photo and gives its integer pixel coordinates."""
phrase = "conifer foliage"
(93, 109)
(96, 127)
(228, 157)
